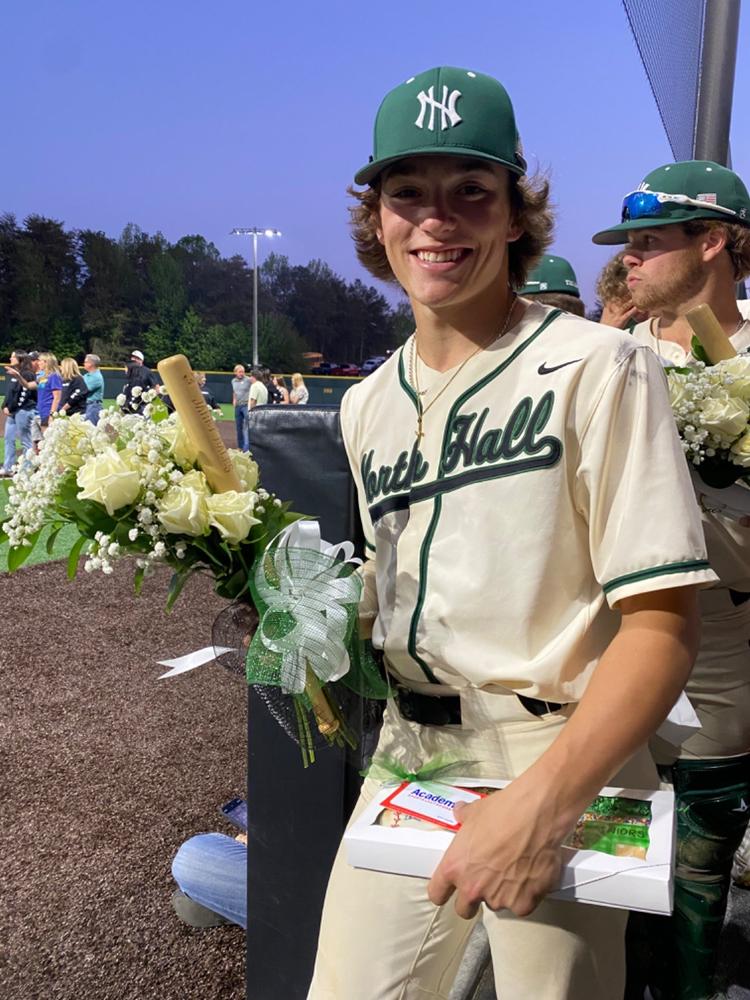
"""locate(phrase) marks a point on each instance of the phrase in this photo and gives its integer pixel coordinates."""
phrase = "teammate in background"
(612, 291)
(95, 384)
(532, 619)
(688, 233)
(553, 282)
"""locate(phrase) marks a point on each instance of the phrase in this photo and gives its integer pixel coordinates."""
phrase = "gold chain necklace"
(414, 373)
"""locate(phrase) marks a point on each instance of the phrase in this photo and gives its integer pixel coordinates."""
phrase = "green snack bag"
(614, 825)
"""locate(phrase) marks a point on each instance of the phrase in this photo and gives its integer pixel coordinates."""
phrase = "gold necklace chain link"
(414, 373)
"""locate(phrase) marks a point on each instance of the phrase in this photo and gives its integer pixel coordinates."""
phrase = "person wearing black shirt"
(19, 408)
(74, 389)
(137, 375)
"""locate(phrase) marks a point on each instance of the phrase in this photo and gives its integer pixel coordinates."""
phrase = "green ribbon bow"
(389, 771)
(307, 602)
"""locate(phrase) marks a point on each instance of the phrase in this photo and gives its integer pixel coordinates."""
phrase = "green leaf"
(18, 556)
(75, 555)
(159, 411)
(699, 351)
(138, 579)
(52, 538)
(178, 581)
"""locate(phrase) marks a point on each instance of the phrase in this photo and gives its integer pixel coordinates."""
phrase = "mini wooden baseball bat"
(199, 424)
(216, 463)
(707, 329)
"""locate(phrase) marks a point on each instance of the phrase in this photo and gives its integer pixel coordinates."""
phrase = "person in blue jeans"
(19, 408)
(241, 386)
(211, 872)
(95, 384)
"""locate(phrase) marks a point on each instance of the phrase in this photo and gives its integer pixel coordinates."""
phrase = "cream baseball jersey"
(672, 354)
(502, 540)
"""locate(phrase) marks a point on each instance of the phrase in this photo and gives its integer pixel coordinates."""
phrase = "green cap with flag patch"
(679, 192)
(552, 274)
(449, 111)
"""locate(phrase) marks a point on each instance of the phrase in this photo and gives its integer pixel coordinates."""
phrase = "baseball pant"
(382, 939)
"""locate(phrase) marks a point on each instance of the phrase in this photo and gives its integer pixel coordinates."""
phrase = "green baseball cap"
(679, 192)
(445, 110)
(552, 274)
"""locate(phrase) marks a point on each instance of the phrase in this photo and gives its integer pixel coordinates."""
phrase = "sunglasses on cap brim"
(651, 204)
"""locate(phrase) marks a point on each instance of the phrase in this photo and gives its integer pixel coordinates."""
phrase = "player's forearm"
(635, 684)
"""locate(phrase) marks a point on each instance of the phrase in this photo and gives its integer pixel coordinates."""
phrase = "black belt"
(445, 710)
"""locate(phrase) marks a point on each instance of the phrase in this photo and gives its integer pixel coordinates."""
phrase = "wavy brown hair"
(612, 283)
(738, 242)
(530, 206)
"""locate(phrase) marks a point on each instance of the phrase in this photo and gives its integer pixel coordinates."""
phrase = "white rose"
(232, 514)
(182, 449)
(739, 369)
(183, 511)
(245, 467)
(110, 479)
(73, 446)
(196, 480)
(724, 417)
(677, 389)
(741, 451)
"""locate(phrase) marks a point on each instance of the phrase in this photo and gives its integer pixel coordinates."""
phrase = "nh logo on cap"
(448, 114)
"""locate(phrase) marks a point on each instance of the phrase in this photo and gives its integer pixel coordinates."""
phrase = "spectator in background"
(74, 391)
(211, 872)
(280, 383)
(19, 408)
(553, 282)
(200, 378)
(240, 395)
(258, 392)
(140, 378)
(612, 290)
(299, 393)
(274, 396)
(95, 384)
(49, 388)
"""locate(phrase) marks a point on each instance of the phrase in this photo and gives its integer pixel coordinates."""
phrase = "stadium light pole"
(255, 232)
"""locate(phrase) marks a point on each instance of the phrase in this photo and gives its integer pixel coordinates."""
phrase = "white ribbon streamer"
(302, 534)
(190, 661)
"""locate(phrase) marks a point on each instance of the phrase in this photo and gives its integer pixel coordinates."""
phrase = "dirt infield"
(104, 771)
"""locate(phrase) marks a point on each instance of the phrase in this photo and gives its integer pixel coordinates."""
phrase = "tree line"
(78, 291)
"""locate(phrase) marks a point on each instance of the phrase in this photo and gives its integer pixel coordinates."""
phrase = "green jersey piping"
(427, 541)
(423, 559)
(403, 380)
(654, 571)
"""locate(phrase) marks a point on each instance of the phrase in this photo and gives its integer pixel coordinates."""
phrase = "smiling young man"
(687, 230)
(532, 620)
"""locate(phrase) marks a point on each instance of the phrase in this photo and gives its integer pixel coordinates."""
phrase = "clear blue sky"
(188, 117)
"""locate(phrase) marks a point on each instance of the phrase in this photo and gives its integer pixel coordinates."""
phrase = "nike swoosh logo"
(544, 370)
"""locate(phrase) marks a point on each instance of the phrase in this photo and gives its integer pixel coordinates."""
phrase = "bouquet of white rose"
(711, 404)
(131, 486)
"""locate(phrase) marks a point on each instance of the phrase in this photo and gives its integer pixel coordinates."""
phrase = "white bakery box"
(587, 876)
